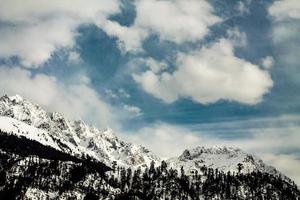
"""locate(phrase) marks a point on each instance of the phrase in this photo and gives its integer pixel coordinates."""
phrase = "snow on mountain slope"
(77, 137)
(14, 127)
(222, 158)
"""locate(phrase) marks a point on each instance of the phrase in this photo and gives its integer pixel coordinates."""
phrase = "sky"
(166, 74)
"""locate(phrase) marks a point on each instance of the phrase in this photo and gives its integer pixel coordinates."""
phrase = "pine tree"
(240, 166)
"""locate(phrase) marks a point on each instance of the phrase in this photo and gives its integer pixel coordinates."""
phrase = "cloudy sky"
(165, 74)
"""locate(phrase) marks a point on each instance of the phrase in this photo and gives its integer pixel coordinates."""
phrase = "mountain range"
(68, 158)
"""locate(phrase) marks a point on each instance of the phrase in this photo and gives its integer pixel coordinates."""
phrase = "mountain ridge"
(46, 156)
(78, 137)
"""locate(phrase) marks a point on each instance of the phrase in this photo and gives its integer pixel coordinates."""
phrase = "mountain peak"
(16, 98)
(109, 133)
(221, 158)
(198, 151)
(13, 99)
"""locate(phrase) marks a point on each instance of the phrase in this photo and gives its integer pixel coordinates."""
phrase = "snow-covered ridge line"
(77, 137)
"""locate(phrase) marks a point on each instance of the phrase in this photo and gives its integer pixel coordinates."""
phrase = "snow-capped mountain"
(46, 156)
(221, 158)
(21, 117)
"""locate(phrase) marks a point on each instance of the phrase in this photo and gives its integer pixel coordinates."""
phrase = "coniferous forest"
(22, 177)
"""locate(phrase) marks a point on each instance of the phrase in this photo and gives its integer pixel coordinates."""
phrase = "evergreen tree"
(240, 166)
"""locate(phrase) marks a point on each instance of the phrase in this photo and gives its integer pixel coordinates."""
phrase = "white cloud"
(109, 93)
(123, 93)
(32, 30)
(164, 139)
(267, 62)
(177, 21)
(287, 164)
(129, 38)
(243, 6)
(75, 100)
(207, 75)
(285, 33)
(155, 65)
(34, 44)
(115, 94)
(286, 15)
(285, 36)
(285, 9)
(132, 110)
(237, 37)
(74, 57)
